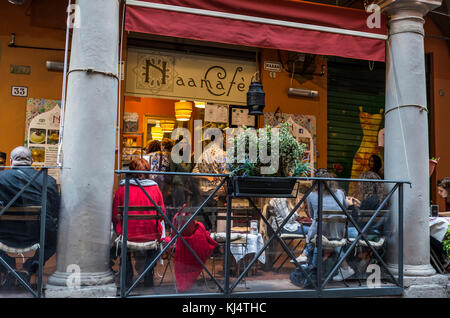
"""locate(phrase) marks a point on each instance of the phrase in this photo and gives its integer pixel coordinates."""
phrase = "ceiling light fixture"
(183, 110)
(200, 104)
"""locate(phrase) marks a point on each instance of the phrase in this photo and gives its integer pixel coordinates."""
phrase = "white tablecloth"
(438, 227)
(254, 244)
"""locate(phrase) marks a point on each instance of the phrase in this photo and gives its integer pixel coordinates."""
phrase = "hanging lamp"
(255, 97)
(167, 126)
(200, 104)
(183, 110)
(157, 132)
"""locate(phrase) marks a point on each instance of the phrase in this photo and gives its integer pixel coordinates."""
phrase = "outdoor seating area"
(260, 257)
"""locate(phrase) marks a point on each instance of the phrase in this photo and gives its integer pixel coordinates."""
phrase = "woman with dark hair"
(331, 230)
(167, 145)
(443, 187)
(139, 230)
(153, 146)
(159, 160)
(370, 195)
(375, 165)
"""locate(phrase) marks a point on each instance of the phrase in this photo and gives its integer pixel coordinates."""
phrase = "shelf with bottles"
(131, 140)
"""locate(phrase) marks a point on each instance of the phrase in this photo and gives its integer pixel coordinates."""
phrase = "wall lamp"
(54, 66)
(17, 2)
(292, 91)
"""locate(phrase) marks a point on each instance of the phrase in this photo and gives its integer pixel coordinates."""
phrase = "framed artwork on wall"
(239, 117)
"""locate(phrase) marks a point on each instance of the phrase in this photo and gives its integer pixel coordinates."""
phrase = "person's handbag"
(298, 278)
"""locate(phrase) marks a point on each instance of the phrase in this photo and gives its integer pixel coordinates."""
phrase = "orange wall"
(41, 83)
(149, 106)
(276, 96)
(441, 104)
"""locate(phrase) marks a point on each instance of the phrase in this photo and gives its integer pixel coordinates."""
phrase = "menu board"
(239, 117)
(42, 132)
(216, 113)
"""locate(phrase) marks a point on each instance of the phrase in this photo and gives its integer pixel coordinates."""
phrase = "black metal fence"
(22, 214)
(316, 281)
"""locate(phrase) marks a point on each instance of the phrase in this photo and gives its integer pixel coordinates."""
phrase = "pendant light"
(157, 132)
(200, 104)
(183, 110)
(255, 97)
(167, 126)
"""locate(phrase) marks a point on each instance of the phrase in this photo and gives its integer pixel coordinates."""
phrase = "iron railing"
(227, 289)
(44, 172)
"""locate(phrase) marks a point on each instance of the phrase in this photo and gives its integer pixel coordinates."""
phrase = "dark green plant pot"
(266, 187)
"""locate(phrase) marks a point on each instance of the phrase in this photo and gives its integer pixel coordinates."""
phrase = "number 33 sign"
(19, 91)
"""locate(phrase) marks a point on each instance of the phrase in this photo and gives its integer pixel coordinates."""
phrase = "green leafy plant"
(446, 243)
(290, 154)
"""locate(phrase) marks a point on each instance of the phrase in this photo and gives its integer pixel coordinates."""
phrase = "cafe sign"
(172, 75)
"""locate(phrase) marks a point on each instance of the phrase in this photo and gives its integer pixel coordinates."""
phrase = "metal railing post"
(400, 235)
(123, 255)
(42, 230)
(319, 237)
(227, 240)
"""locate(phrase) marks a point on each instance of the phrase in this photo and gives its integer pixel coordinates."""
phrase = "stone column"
(406, 134)
(87, 177)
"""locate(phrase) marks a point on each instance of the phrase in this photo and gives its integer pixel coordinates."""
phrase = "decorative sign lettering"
(20, 69)
(19, 91)
(187, 76)
(272, 66)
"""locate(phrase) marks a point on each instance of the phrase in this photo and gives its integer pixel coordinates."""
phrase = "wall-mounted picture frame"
(239, 116)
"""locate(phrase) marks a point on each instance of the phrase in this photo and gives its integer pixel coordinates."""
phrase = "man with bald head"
(20, 234)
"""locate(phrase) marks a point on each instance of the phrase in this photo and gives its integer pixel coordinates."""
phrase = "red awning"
(276, 24)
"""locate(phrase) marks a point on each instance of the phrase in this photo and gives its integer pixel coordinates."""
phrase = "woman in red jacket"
(140, 230)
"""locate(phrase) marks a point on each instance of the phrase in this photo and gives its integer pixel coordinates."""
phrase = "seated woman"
(370, 195)
(443, 187)
(140, 230)
(334, 230)
(292, 226)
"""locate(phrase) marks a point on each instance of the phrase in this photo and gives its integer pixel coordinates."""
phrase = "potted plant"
(433, 163)
(249, 176)
(446, 243)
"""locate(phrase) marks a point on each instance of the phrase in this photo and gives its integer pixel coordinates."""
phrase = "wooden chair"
(340, 217)
(23, 214)
(289, 238)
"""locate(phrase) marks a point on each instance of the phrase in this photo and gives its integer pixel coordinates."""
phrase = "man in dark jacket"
(19, 234)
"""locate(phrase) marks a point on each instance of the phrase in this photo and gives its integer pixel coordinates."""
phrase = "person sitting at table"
(20, 234)
(139, 230)
(443, 187)
(292, 226)
(213, 161)
(370, 195)
(375, 165)
(335, 230)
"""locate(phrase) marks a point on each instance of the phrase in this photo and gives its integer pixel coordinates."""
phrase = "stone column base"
(435, 286)
(81, 285)
(413, 270)
(100, 291)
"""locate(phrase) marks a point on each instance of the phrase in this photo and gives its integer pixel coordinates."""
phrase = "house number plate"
(19, 91)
